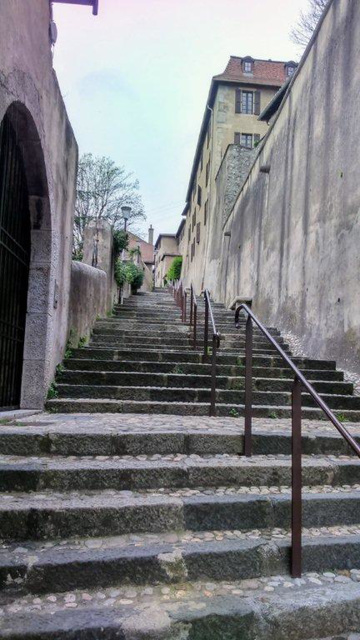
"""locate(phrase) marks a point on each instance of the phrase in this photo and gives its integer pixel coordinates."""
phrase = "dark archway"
(14, 264)
(36, 233)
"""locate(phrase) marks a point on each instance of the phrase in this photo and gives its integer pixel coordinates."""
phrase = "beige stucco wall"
(223, 125)
(166, 249)
(29, 92)
(294, 234)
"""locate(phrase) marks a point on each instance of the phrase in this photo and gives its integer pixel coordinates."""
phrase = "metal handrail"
(299, 382)
(193, 314)
(215, 346)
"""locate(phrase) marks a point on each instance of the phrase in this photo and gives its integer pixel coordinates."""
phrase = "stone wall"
(291, 242)
(88, 300)
(30, 97)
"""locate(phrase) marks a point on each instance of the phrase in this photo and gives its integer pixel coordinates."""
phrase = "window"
(246, 140)
(290, 71)
(194, 219)
(199, 195)
(247, 102)
(237, 137)
(207, 173)
(201, 162)
(192, 254)
(248, 66)
(208, 136)
(205, 212)
(189, 233)
(198, 232)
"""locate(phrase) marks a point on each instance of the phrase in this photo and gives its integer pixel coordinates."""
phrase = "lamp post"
(125, 210)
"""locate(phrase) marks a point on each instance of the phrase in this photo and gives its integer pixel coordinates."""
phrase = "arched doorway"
(15, 245)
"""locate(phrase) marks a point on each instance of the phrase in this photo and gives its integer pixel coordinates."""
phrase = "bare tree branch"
(306, 25)
(102, 189)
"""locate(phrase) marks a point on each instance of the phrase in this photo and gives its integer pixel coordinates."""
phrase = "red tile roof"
(264, 72)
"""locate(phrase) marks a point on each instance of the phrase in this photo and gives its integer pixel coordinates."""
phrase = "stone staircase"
(141, 361)
(155, 527)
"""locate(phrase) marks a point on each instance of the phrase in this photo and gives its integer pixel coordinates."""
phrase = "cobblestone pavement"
(192, 593)
(109, 422)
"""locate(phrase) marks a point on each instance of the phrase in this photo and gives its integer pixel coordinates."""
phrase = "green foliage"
(234, 413)
(273, 415)
(135, 251)
(121, 241)
(110, 314)
(178, 369)
(134, 275)
(174, 272)
(52, 392)
(341, 417)
(82, 342)
(60, 369)
(120, 273)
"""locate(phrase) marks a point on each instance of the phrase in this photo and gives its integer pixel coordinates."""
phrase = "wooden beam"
(88, 3)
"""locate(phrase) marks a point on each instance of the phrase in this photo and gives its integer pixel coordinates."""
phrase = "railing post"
(206, 329)
(191, 305)
(212, 411)
(248, 388)
(195, 325)
(296, 502)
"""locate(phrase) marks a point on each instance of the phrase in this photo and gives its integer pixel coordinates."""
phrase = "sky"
(135, 80)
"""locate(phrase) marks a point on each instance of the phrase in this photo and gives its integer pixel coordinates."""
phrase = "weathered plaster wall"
(29, 93)
(295, 232)
(88, 299)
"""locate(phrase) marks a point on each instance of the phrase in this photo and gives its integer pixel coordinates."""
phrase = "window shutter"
(198, 232)
(237, 137)
(257, 103)
(238, 101)
(256, 138)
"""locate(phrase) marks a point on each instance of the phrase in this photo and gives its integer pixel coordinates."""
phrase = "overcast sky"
(135, 80)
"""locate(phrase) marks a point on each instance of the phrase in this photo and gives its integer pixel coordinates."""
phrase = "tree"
(102, 189)
(174, 270)
(308, 20)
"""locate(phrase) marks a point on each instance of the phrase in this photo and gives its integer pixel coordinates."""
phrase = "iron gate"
(14, 264)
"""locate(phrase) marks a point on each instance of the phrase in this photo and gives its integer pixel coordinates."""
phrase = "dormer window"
(248, 67)
(290, 68)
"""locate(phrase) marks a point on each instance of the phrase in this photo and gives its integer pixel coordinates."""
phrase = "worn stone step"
(99, 405)
(179, 340)
(241, 610)
(36, 516)
(102, 437)
(174, 355)
(20, 473)
(78, 364)
(171, 558)
(134, 378)
(194, 395)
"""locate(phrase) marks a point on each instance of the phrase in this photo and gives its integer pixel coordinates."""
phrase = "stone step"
(60, 473)
(241, 610)
(171, 558)
(185, 345)
(128, 379)
(192, 356)
(179, 339)
(79, 364)
(99, 405)
(182, 331)
(194, 395)
(101, 437)
(37, 516)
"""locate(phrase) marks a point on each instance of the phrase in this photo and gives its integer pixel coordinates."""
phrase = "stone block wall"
(88, 300)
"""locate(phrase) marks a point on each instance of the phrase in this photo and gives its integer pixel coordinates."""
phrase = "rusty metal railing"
(180, 295)
(299, 382)
(215, 346)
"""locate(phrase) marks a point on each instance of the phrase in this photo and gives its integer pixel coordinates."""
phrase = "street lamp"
(126, 215)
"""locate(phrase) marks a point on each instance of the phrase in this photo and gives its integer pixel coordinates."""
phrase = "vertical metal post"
(248, 388)
(195, 325)
(206, 328)
(296, 502)
(185, 302)
(191, 305)
(212, 411)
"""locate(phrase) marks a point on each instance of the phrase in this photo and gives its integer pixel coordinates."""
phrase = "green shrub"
(174, 272)
(134, 275)
(121, 241)
(120, 273)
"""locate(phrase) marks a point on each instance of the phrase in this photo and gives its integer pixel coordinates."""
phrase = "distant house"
(166, 249)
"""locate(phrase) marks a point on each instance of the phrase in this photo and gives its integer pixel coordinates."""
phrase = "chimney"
(151, 235)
